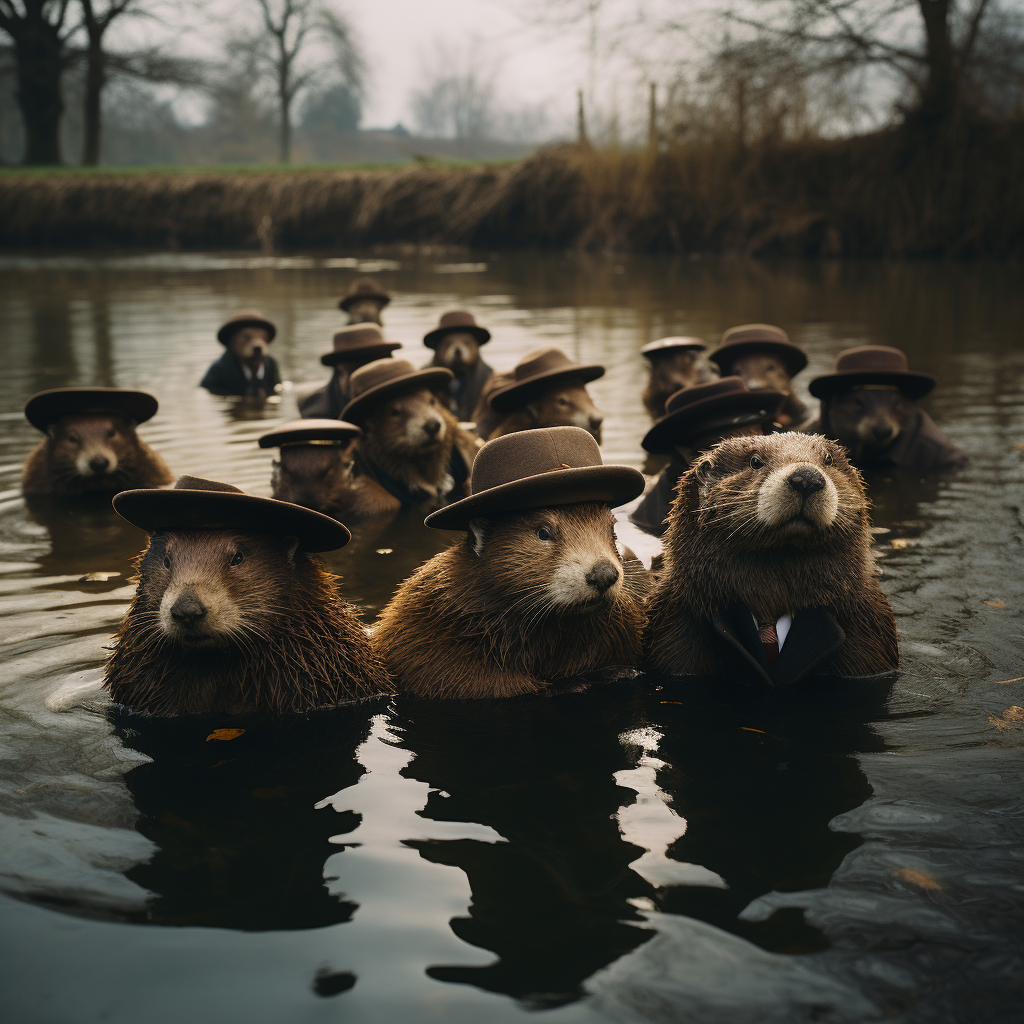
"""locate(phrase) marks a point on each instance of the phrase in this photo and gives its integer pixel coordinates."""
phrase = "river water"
(624, 855)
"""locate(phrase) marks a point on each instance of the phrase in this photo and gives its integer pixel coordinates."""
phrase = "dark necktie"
(769, 641)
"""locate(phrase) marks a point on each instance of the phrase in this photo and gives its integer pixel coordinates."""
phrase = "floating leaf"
(746, 728)
(98, 577)
(385, 551)
(1012, 718)
(996, 603)
(919, 878)
(1019, 446)
(1019, 679)
(224, 734)
(899, 543)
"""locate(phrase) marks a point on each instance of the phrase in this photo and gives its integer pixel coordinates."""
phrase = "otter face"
(566, 406)
(249, 345)
(459, 351)
(867, 420)
(208, 588)
(87, 447)
(365, 311)
(681, 368)
(778, 489)
(561, 559)
(411, 423)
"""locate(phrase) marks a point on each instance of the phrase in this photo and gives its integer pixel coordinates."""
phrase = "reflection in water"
(240, 844)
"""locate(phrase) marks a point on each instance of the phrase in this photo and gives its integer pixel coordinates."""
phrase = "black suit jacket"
(226, 377)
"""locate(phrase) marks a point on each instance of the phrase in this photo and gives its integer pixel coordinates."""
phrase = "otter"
(675, 363)
(525, 601)
(91, 454)
(773, 529)
(237, 621)
(459, 351)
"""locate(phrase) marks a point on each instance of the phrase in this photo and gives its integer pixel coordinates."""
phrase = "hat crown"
(380, 371)
(672, 343)
(527, 453)
(200, 483)
(881, 358)
(754, 332)
(364, 286)
(542, 360)
(357, 336)
(457, 318)
(725, 387)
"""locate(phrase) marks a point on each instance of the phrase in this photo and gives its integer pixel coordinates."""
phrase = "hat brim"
(674, 427)
(309, 430)
(359, 408)
(224, 334)
(47, 407)
(376, 297)
(613, 485)
(792, 355)
(515, 396)
(915, 385)
(378, 350)
(656, 348)
(481, 334)
(156, 509)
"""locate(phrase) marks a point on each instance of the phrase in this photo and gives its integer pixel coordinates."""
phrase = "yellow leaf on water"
(385, 551)
(1012, 718)
(746, 728)
(899, 543)
(1019, 679)
(1019, 446)
(996, 603)
(224, 734)
(919, 878)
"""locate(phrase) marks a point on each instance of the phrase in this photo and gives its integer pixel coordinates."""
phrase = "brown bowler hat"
(309, 431)
(538, 371)
(382, 379)
(719, 405)
(364, 288)
(248, 318)
(457, 320)
(197, 504)
(747, 339)
(656, 348)
(46, 407)
(537, 469)
(359, 341)
(867, 365)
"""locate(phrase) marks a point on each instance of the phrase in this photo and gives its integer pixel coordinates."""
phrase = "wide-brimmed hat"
(748, 339)
(867, 365)
(457, 320)
(307, 431)
(364, 288)
(197, 504)
(718, 405)
(662, 345)
(382, 379)
(358, 341)
(46, 407)
(537, 469)
(539, 371)
(247, 318)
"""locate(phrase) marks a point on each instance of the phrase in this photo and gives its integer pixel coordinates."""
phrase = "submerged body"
(459, 352)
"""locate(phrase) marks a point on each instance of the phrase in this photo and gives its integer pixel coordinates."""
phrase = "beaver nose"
(595, 423)
(881, 432)
(806, 480)
(432, 427)
(99, 463)
(602, 575)
(188, 609)
(756, 384)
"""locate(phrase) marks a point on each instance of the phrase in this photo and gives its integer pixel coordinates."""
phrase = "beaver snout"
(432, 427)
(806, 480)
(188, 610)
(882, 433)
(602, 575)
(756, 384)
(99, 463)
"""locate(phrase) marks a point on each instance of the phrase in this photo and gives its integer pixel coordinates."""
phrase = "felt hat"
(537, 469)
(872, 365)
(359, 341)
(364, 288)
(307, 431)
(376, 382)
(657, 348)
(748, 339)
(46, 407)
(538, 371)
(197, 504)
(719, 405)
(247, 318)
(456, 320)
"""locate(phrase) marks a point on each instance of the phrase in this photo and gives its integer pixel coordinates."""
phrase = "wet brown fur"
(315, 476)
(50, 468)
(564, 405)
(717, 553)
(294, 644)
(866, 422)
(471, 624)
(763, 371)
(671, 372)
(365, 311)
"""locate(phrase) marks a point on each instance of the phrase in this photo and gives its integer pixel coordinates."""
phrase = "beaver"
(524, 601)
(236, 620)
(245, 368)
(91, 454)
(364, 301)
(565, 405)
(773, 529)
(459, 352)
(675, 363)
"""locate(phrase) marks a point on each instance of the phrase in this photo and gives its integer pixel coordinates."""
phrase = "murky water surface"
(623, 855)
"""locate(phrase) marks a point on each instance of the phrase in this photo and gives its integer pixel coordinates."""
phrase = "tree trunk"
(39, 52)
(285, 134)
(95, 79)
(941, 90)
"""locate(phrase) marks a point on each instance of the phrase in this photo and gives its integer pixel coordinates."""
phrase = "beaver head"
(567, 405)
(365, 311)
(868, 421)
(249, 344)
(459, 351)
(410, 425)
(680, 368)
(560, 559)
(89, 450)
(764, 371)
(314, 475)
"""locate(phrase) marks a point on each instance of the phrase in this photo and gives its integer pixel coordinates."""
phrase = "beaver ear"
(291, 546)
(532, 412)
(476, 534)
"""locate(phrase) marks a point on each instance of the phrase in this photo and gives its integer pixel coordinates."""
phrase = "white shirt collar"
(781, 627)
(260, 373)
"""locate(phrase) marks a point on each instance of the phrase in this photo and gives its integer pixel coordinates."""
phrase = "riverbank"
(891, 194)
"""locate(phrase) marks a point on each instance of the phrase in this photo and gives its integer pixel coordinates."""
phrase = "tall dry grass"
(895, 193)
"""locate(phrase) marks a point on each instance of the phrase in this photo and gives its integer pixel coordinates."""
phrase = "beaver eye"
(237, 560)
(167, 562)
(111, 433)
(756, 462)
(543, 533)
(828, 459)
(73, 438)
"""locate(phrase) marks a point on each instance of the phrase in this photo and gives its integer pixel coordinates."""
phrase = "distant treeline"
(903, 192)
